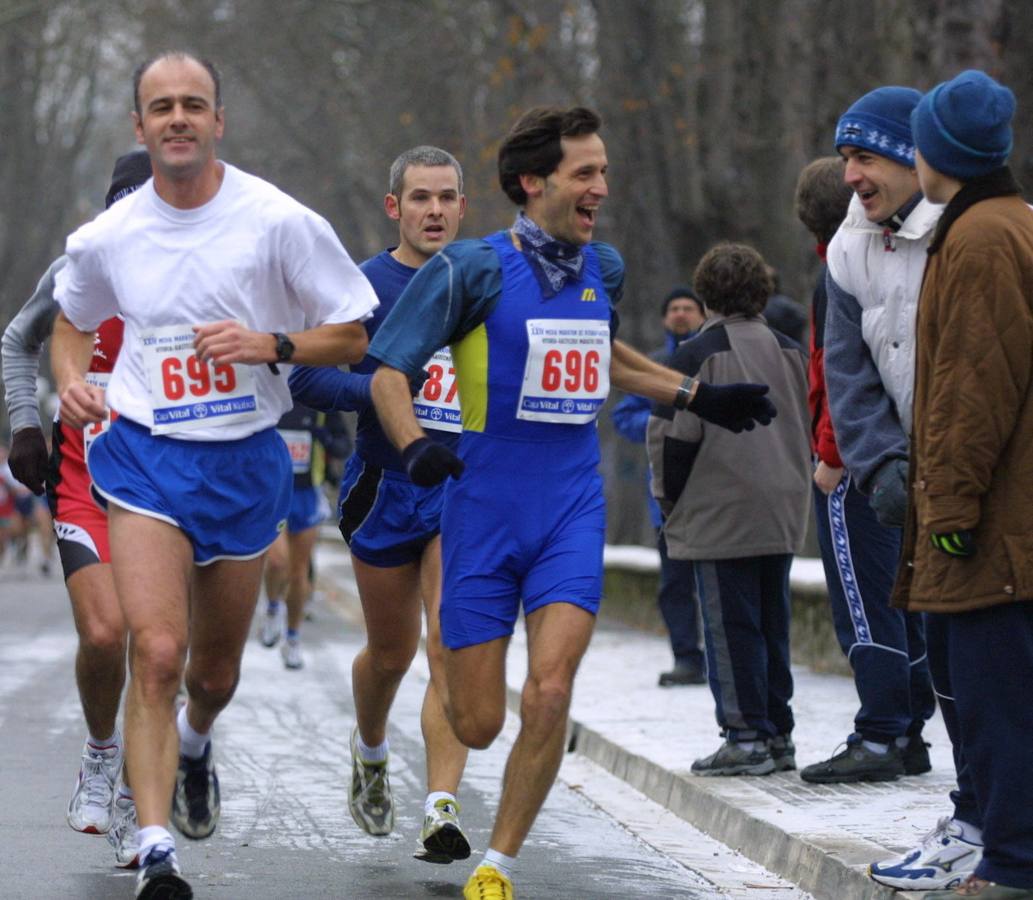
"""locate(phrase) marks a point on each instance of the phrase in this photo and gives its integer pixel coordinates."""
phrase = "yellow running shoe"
(488, 883)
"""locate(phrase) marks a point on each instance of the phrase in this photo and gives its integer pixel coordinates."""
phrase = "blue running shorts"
(385, 519)
(537, 540)
(230, 498)
(308, 509)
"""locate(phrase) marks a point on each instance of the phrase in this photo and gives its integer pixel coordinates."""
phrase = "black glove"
(429, 463)
(416, 382)
(889, 493)
(955, 543)
(737, 407)
(28, 458)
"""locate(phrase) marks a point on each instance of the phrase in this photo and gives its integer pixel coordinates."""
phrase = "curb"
(744, 818)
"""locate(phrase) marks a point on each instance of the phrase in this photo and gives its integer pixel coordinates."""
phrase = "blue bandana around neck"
(553, 262)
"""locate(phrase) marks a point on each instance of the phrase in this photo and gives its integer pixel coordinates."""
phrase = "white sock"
(434, 796)
(881, 749)
(114, 741)
(371, 754)
(750, 746)
(505, 864)
(969, 832)
(152, 837)
(191, 744)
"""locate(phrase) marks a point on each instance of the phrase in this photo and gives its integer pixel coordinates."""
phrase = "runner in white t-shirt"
(219, 277)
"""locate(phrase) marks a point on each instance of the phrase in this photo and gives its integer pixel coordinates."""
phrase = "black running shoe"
(159, 878)
(916, 756)
(783, 752)
(856, 763)
(195, 802)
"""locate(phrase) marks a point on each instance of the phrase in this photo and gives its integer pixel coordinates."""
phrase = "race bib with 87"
(187, 393)
(567, 376)
(437, 404)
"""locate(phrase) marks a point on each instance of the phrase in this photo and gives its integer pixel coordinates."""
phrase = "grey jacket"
(725, 495)
(22, 347)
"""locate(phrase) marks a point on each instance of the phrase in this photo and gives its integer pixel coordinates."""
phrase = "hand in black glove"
(28, 458)
(889, 493)
(429, 463)
(737, 407)
(960, 544)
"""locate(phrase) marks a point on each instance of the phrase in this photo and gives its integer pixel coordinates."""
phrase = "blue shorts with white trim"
(385, 519)
(230, 498)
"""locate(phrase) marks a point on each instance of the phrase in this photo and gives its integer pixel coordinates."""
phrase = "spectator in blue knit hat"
(875, 263)
(970, 535)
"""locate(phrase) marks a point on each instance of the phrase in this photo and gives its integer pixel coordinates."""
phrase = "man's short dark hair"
(822, 197)
(424, 155)
(208, 65)
(532, 146)
(733, 278)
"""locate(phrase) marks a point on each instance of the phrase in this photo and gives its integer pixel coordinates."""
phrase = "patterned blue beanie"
(881, 122)
(963, 126)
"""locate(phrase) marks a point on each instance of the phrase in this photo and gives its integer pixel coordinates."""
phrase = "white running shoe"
(124, 834)
(90, 808)
(272, 625)
(290, 650)
(943, 859)
(370, 801)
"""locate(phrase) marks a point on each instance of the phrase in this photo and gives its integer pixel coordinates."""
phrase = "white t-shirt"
(251, 254)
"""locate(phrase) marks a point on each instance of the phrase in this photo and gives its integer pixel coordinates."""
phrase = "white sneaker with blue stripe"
(943, 859)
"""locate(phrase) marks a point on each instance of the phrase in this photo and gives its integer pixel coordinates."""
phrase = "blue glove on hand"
(737, 407)
(960, 544)
(429, 463)
(889, 493)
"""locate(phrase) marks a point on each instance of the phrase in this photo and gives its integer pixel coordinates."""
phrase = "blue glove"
(737, 407)
(889, 493)
(429, 463)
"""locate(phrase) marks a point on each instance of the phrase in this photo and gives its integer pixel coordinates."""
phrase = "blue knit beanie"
(963, 126)
(881, 122)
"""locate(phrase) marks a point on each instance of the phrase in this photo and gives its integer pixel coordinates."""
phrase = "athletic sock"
(292, 634)
(272, 607)
(969, 832)
(152, 837)
(874, 747)
(434, 796)
(371, 754)
(505, 864)
(750, 746)
(191, 744)
(113, 741)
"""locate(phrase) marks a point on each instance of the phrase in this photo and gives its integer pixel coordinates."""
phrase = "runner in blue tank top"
(530, 322)
(392, 525)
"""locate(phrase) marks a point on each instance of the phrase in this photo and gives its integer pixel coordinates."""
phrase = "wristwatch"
(284, 347)
(686, 392)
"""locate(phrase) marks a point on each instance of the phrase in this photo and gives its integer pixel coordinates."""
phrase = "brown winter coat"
(972, 442)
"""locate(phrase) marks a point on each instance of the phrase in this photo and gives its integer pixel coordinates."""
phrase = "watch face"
(284, 348)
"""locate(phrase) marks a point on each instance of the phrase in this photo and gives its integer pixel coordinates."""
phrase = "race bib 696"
(567, 376)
